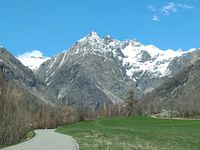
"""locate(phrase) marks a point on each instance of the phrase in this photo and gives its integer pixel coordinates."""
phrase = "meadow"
(135, 133)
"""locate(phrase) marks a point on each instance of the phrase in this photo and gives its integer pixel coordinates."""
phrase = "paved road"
(47, 140)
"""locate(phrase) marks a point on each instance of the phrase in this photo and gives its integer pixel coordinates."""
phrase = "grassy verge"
(135, 133)
(30, 135)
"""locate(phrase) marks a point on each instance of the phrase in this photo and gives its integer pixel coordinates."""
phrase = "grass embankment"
(135, 133)
(30, 135)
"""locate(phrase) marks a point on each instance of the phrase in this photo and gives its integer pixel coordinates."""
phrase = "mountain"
(14, 71)
(104, 69)
(33, 59)
(86, 72)
(180, 93)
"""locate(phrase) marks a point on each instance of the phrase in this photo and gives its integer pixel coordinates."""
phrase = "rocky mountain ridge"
(110, 67)
(14, 71)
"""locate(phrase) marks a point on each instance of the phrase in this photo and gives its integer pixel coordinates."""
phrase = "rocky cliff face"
(14, 71)
(103, 69)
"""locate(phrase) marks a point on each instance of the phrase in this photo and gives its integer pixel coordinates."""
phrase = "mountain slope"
(87, 73)
(180, 93)
(13, 70)
(110, 67)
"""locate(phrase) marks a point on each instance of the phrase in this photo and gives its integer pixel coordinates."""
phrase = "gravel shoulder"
(47, 139)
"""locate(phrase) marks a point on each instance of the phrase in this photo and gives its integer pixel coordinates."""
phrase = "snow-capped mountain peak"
(105, 68)
(32, 59)
(147, 58)
(93, 36)
(135, 56)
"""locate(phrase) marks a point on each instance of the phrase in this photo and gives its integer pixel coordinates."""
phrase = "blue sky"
(54, 25)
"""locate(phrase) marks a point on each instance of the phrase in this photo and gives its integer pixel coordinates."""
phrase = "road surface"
(47, 139)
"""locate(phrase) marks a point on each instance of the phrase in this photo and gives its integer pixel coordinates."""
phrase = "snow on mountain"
(32, 59)
(138, 57)
(146, 65)
(135, 56)
(93, 36)
(103, 68)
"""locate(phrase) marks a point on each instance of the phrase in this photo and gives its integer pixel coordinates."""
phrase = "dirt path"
(168, 118)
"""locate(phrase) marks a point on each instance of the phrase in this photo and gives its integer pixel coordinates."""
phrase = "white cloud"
(152, 8)
(167, 9)
(34, 53)
(155, 18)
(185, 6)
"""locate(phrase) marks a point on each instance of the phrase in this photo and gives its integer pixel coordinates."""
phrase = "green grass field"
(135, 133)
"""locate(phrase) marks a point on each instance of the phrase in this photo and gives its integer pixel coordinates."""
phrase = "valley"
(101, 77)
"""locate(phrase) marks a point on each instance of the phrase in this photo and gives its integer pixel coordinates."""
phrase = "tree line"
(20, 113)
